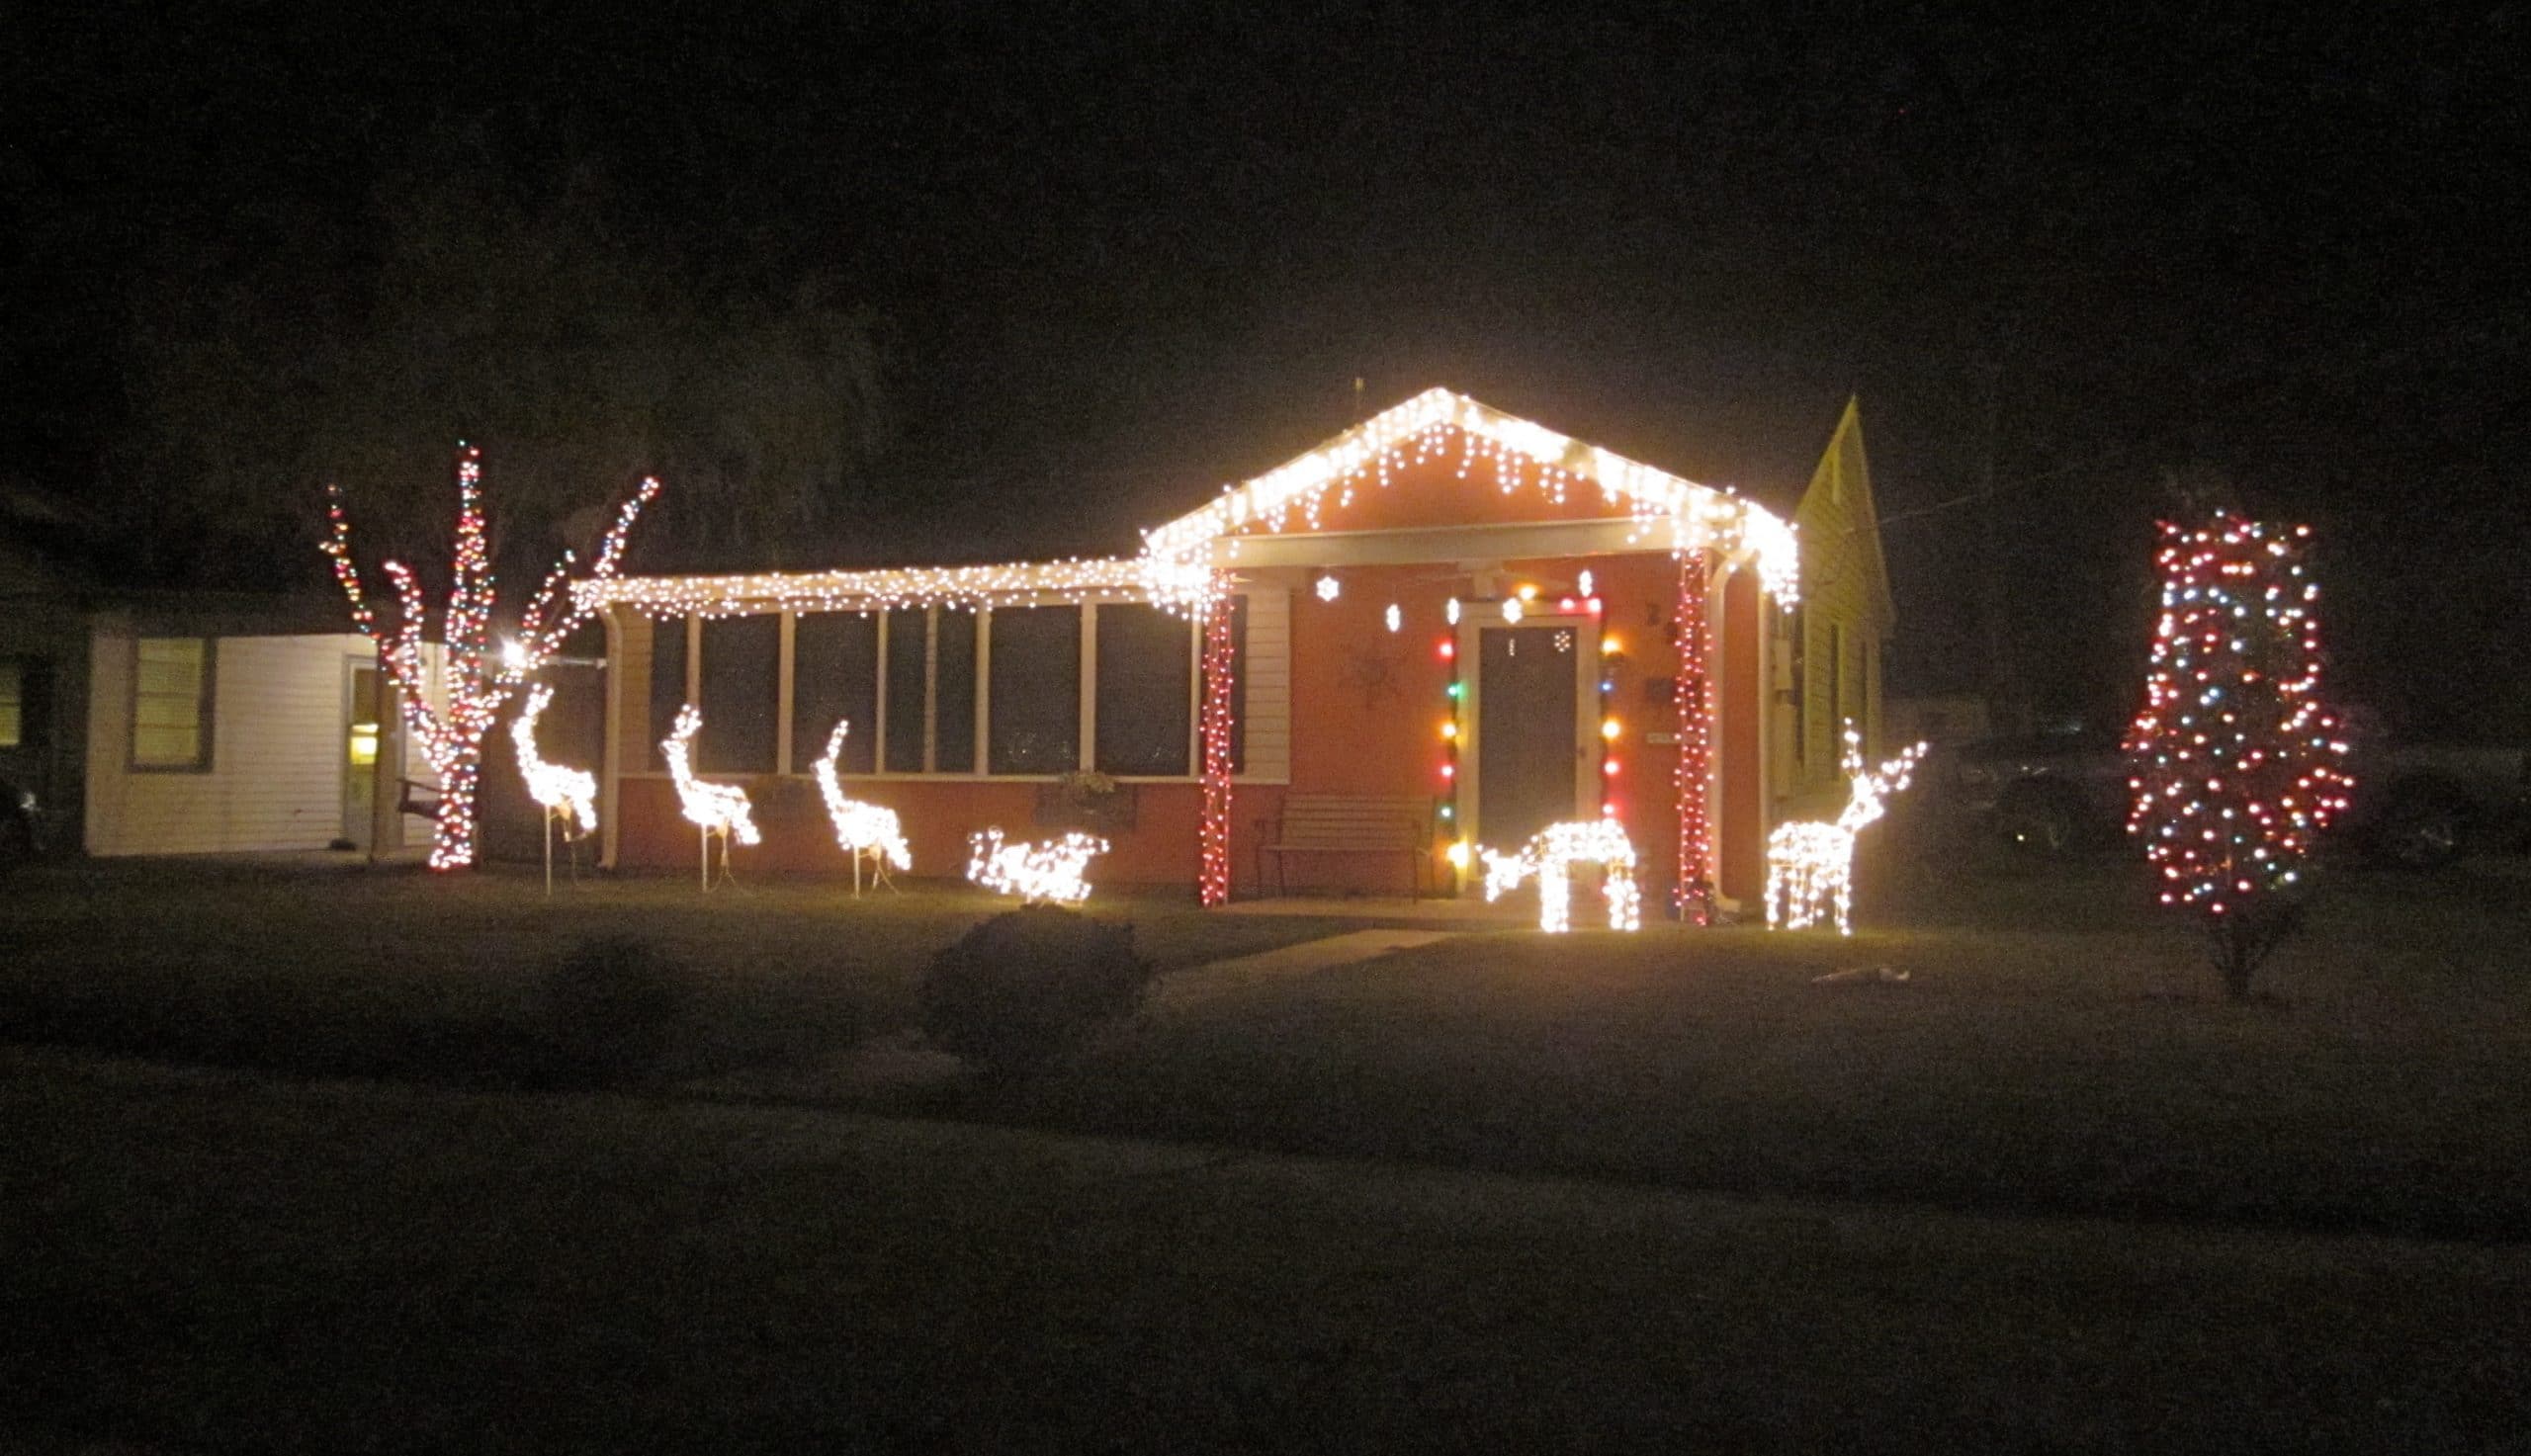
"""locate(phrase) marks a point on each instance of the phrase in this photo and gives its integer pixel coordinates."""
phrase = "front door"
(1531, 765)
(371, 765)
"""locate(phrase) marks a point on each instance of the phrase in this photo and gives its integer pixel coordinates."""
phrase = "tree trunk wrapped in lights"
(451, 736)
(2233, 759)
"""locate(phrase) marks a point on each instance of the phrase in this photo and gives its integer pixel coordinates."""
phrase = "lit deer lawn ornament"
(1551, 854)
(717, 810)
(864, 829)
(1810, 865)
(1039, 873)
(568, 795)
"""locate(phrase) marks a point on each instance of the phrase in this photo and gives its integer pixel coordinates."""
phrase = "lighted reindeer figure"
(717, 810)
(1810, 865)
(864, 829)
(568, 795)
(1045, 873)
(1550, 856)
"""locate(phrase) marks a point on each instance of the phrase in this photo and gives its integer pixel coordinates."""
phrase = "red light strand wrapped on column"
(1695, 703)
(1221, 646)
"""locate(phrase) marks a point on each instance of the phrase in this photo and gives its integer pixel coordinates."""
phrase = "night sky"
(1117, 255)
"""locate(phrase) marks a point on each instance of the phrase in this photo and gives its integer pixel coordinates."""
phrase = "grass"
(342, 970)
(204, 1262)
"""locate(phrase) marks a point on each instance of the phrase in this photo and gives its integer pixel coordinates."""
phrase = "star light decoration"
(1052, 871)
(1810, 863)
(864, 830)
(2234, 761)
(452, 737)
(717, 811)
(1550, 856)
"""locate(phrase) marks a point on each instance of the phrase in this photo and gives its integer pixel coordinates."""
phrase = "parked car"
(21, 825)
(2417, 805)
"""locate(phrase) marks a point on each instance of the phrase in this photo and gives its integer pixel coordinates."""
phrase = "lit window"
(171, 690)
(12, 703)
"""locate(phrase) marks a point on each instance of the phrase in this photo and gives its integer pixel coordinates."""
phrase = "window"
(740, 694)
(667, 680)
(171, 688)
(1797, 648)
(1034, 705)
(953, 692)
(1837, 688)
(1146, 674)
(908, 689)
(834, 675)
(12, 703)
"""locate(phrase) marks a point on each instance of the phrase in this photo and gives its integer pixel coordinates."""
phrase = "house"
(218, 723)
(177, 723)
(1445, 606)
(1828, 644)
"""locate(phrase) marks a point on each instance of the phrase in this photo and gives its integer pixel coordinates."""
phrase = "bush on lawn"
(1024, 990)
(613, 1011)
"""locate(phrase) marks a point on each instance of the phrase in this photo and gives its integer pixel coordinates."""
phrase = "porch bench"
(1348, 824)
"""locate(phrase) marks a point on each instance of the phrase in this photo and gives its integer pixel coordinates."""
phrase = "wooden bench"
(1348, 824)
(419, 800)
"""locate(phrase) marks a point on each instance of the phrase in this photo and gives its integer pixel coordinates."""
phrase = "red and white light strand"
(1693, 777)
(1221, 646)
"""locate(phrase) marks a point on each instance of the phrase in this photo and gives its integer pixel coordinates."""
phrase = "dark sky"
(1120, 254)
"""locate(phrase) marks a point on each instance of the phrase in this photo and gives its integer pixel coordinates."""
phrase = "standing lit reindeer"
(1551, 854)
(1810, 865)
(861, 828)
(568, 795)
(1039, 874)
(717, 810)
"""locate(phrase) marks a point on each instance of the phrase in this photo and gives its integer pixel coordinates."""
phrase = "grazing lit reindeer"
(717, 810)
(1551, 854)
(568, 795)
(1039, 874)
(861, 828)
(1810, 865)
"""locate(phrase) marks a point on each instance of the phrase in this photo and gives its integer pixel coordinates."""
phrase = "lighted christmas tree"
(2235, 759)
(451, 730)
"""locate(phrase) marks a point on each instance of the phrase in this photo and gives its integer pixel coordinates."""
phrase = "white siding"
(1270, 688)
(276, 777)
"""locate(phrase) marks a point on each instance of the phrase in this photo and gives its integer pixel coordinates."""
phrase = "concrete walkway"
(1203, 983)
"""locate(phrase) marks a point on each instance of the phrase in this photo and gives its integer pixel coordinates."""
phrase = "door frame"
(1473, 625)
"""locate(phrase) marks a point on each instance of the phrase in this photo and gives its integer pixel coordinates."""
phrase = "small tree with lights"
(451, 733)
(2233, 758)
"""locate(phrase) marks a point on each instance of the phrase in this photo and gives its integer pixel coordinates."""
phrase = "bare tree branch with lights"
(451, 733)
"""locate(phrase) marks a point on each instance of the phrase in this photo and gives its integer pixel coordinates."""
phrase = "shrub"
(613, 1011)
(1027, 988)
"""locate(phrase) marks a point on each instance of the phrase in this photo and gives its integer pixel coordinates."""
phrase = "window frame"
(795, 761)
(205, 734)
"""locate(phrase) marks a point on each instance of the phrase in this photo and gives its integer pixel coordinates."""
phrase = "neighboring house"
(1444, 607)
(221, 722)
(1828, 647)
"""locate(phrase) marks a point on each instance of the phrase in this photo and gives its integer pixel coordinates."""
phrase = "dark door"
(1524, 735)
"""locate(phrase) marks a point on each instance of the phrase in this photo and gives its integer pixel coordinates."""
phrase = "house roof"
(1181, 557)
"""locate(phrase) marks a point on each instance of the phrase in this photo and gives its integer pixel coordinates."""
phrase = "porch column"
(1694, 894)
(1221, 647)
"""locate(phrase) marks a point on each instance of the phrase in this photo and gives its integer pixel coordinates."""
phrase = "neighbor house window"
(740, 694)
(835, 676)
(13, 702)
(171, 687)
(1146, 681)
(1035, 707)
